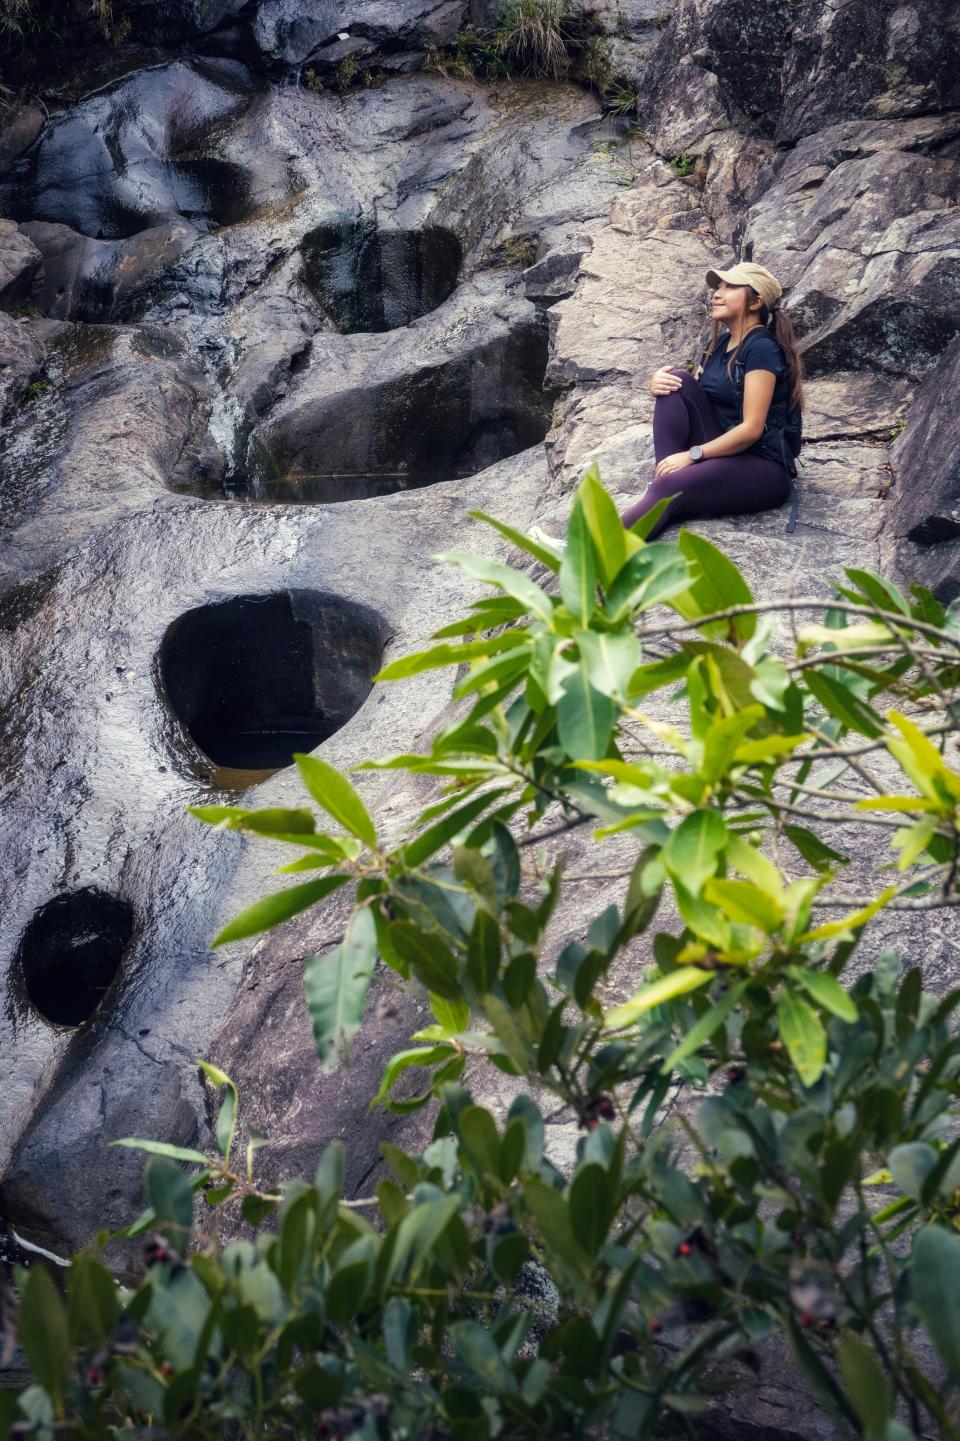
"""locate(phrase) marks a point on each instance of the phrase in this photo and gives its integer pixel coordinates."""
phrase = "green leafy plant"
(767, 1148)
(683, 165)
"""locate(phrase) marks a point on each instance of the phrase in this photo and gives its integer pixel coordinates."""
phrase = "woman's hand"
(664, 382)
(670, 463)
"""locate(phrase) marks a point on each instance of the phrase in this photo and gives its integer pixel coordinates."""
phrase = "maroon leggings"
(728, 485)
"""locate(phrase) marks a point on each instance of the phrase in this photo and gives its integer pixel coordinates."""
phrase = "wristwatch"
(696, 452)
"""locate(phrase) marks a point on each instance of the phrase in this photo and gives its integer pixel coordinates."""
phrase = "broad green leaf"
(430, 841)
(908, 804)
(519, 538)
(578, 573)
(403, 1060)
(337, 796)
(480, 1353)
(431, 961)
(479, 1141)
(717, 585)
(867, 1385)
(746, 903)
(693, 849)
(803, 1035)
(935, 1291)
(497, 672)
(92, 1304)
(827, 992)
(44, 1335)
(754, 865)
(866, 633)
(882, 592)
(163, 1148)
(611, 658)
(667, 988)
(514, 582)
(592, 1204)
(841, 703)
(439, 656)
(171, 1196)
(912, 841)
(852, 922)
(611, 543)
(815, 852)
(722, 740)
(702, 1029)
(641, 528)
(264, 822)
(336, 988)
(274, 909)
(584, 716)
(653, 576)
(921, 761)
(452, 1015)
(910, 1165)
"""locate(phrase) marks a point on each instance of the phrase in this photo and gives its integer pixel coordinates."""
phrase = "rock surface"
(184, 355)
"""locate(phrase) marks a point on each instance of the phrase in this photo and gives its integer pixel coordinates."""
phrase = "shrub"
(814, 1191)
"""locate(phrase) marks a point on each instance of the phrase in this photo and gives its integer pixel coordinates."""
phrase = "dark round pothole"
(368, 279)
(71, 951)
(255, 679)
(436, 423)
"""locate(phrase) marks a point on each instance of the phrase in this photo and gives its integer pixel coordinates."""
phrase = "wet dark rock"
(70, 953)
(119, 417)
(19, 261)
(296, 32)
(148, 149)
(369, 279)
(925, 502)
(98, 281)
(254, 679)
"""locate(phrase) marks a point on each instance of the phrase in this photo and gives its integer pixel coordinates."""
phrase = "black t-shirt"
(760, 352)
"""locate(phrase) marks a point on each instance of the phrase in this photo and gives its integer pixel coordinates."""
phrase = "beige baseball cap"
(766, 285)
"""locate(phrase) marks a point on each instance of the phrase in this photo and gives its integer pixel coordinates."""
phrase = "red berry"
(684, 1249)
(166, 1369)
(806, 1319)
(655, 1327)
(94, 1376)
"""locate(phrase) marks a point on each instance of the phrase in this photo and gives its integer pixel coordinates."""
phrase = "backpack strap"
(781, 437)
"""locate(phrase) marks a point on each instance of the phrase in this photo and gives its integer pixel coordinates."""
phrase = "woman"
(711, 459)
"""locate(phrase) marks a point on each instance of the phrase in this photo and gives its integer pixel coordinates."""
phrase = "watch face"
(696, 451)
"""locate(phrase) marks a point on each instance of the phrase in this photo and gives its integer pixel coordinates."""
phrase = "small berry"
(684, 1249)
(655, 1328)
(166, 1369)
(94, 1376)
(806, 1319)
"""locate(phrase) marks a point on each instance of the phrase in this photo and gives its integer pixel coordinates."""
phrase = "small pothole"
(255, 679)
(368, 279)
(71, 951)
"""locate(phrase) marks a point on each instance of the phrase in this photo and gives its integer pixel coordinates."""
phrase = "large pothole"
(255, 679)
(71, 951)
(368, 279)
(435, 423)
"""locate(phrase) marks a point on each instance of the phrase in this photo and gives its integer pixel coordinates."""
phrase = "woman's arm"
(758, 391)
(758, 388)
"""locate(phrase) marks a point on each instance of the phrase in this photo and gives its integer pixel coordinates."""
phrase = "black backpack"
(789, 438)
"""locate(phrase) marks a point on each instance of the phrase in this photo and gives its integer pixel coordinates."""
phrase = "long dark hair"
(780, 326)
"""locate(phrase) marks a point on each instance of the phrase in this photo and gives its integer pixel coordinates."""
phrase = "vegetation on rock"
(811, 1190)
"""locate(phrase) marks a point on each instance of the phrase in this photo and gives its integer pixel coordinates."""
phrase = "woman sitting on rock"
(714, 461)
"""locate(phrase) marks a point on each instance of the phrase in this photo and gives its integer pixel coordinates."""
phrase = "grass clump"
(533, 38)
